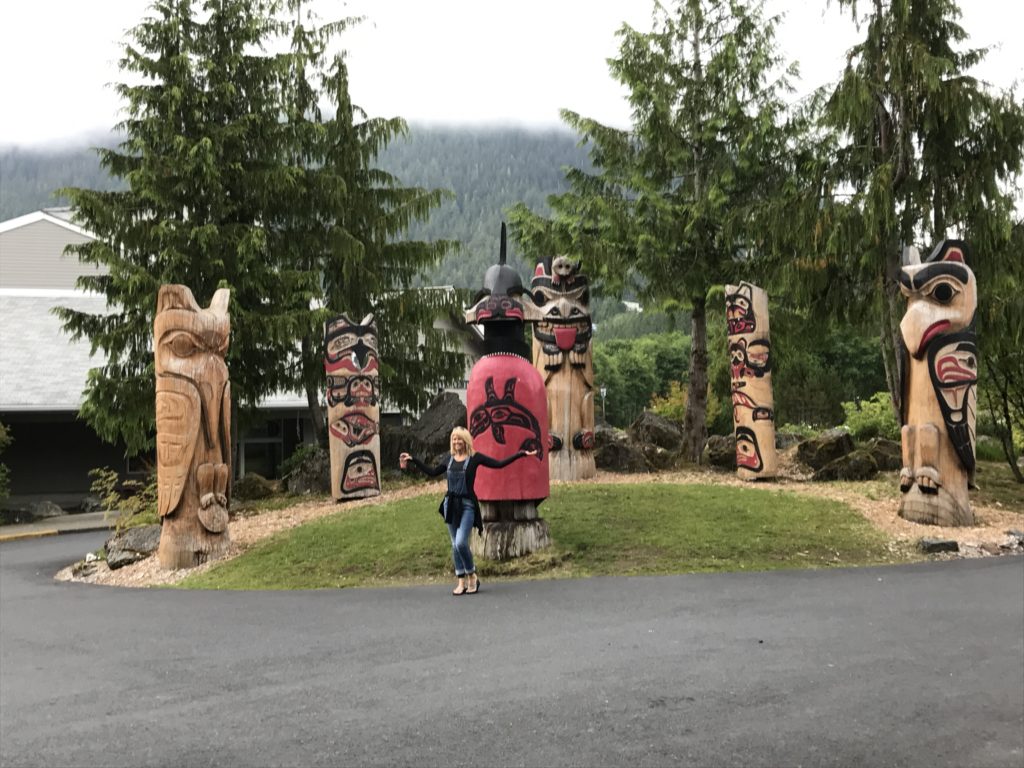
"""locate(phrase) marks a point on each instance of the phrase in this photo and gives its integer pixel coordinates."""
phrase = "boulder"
(888, 454)
(658, 458)
(932, 546)
(859, 465)
(131, 545)
(312, 475)
(614, 452)
(818, 451)
(91, 503)
(720, 451)
(428, 437)
(652, 429)
(784, 440)
(252, 486)
(41, 509)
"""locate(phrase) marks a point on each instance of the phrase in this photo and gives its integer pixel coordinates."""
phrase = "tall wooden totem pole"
(562, 354)
(750, 367)
(353, 407)
(193, 426)
(940, 378)
(507, 412)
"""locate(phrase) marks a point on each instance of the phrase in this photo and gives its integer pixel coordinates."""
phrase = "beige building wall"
(32, 256)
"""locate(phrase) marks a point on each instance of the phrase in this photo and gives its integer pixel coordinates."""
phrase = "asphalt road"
(907, 666)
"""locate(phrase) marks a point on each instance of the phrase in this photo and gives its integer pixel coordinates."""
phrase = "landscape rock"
(784, 440)
(652, 429)
(312, 475)
(931, 546)
(859, 465)
(131, 545)
(427, 438)
(41, 509)
(658, 458)
(720, 451)
(91, 504)
(253, 486)
(888, 454)
(614, 452)
(818, 451)
(83, 569)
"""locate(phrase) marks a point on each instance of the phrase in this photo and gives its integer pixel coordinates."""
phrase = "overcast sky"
(429, 61)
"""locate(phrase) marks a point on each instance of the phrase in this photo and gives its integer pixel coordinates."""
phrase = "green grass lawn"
(597, 530)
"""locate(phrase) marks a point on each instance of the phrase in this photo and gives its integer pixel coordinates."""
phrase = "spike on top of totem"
(505, 398)
(563, 356)
(753, 404)
(939, 386)
(353, 406)
(193, 426)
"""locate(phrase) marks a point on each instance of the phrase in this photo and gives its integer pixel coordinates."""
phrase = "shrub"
(136, 500)
(873, 417)
(673, 405)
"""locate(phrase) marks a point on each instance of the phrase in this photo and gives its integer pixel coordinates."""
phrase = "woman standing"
(460, 508)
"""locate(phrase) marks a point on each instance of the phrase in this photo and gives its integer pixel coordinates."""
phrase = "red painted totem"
(506, 408)
(353, 407)
(746, 311)
(940, 379)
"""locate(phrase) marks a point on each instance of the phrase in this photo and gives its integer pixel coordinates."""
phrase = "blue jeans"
(460, 541)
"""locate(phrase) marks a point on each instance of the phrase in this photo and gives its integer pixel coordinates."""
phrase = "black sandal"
(475, 588)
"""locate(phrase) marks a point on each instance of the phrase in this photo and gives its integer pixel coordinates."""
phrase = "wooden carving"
(746, 311)
(940, 377)
(507, 412)
(562, 354)
(353, 407)
(193, 426)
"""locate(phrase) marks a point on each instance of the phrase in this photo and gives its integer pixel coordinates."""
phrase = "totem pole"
(562, 355)
(193, 426)
(507, 412)
(939, 392)
(746, 311)
(353, 407)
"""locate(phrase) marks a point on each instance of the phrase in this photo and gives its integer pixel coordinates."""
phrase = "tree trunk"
(695, 430)
(316, 415)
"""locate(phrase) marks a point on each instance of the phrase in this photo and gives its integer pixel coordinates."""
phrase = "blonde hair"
(466, 438)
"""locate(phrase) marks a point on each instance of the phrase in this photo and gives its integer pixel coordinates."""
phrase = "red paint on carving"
(950, 369)
(933, 330)
(565, 338)
(527, 478)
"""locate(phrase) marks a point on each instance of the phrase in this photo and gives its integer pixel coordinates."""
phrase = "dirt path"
(978, 541)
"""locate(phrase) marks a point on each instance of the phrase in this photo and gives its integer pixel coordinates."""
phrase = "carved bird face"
(942, 296)
(190, 344)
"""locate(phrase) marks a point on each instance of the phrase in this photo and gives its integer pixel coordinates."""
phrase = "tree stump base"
(505, 541)
(934, 509)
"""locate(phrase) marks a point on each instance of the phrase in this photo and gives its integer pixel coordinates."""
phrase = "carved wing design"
(177, 418)
(225, 440)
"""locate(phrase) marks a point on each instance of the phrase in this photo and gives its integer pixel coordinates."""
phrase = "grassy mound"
(597, 530)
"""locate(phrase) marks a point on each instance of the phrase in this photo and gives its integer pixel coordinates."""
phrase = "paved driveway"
(909, 666)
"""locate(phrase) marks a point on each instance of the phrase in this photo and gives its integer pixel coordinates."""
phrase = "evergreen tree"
(682, 197)
(235, 178)
(199, 144)
(913, 151)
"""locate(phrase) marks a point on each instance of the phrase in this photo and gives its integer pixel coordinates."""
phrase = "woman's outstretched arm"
(486, 461)
(440, 469)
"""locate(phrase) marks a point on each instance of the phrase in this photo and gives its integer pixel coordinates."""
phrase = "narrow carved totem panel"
(562, 354)
(940, 378)
(193, 426)
(353, 407)
(750, 367)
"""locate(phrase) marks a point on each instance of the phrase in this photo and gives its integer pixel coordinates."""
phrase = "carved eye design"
(575, 312)
(183, 344)
(554, 312)
(943, 293)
